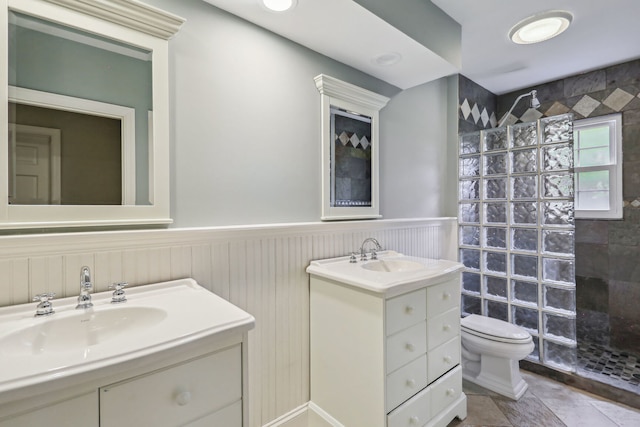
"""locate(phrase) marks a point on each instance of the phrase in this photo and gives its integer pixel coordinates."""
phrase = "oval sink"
(81, 329)
(393, 265)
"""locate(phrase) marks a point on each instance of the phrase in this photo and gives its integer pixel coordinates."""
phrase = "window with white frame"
(598, 167)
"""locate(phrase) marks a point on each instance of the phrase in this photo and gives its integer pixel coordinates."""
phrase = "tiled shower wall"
(260, 269)
(607, 252)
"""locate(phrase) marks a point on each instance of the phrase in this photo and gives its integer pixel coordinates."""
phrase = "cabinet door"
(177, 395)
(81, 411)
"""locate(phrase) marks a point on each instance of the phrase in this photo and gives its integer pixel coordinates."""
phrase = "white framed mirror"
(350, 147)
(86, 111)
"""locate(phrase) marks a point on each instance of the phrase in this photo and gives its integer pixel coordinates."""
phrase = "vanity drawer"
(406, 381)
(443, 327)
(405, 310)
(177, 395)
(446, 390)
(443, 297)
(443, 358)
(230, 416)
(406, 345)
(413, 413)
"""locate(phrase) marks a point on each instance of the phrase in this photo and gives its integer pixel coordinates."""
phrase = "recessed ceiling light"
(540, 27)
(279, 5)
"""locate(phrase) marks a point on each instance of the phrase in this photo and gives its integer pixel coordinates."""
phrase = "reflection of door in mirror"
(350, 158)
(34, 160)
(80, 83)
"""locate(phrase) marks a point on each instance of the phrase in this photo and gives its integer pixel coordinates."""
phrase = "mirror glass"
(79, 116)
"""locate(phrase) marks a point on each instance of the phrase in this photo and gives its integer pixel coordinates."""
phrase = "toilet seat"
(494, 329)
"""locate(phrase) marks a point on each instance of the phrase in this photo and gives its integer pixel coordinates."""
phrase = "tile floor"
(547, 403)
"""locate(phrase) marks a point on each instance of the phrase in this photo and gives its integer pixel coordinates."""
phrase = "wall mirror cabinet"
(85, 113)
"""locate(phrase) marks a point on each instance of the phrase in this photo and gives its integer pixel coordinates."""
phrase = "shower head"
(533, 104)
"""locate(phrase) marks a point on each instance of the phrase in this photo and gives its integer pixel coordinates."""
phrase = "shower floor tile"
(617, 368)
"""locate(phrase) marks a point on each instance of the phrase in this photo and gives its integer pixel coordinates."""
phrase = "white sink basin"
(80, 329)
(392, 265)
(391, 274)
(156, 317)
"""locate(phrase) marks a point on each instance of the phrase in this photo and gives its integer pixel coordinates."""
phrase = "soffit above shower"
(367, 35)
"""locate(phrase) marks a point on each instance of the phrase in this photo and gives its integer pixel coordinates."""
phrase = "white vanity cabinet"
(381, 360)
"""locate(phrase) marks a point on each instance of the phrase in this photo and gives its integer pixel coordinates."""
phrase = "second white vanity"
(385, 341)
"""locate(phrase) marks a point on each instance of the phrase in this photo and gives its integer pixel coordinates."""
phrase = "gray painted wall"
(246, 127)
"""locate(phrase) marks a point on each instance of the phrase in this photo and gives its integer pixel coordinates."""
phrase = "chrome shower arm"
(504, 118)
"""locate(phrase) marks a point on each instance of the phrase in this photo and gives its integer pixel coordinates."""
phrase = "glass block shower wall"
(516, 232)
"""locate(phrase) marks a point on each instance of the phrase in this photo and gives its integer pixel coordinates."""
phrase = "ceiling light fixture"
(540, 27)
(279, 5)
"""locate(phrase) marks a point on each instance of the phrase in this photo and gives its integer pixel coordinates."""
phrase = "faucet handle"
(44, 306)
(118, 293)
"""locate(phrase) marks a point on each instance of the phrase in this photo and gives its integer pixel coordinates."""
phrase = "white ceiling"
(602, 33)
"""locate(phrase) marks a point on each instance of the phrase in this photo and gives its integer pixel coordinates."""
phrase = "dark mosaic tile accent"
(614, 367)
(585, 83)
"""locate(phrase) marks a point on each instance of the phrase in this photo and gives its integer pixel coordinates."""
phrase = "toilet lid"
(494, 329)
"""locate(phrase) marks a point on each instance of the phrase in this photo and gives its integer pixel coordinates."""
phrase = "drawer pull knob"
(446, 295)
(183, 397)
(447, 359)
(408, 309)
(410, 347)
(411, 383)
(446, 328)
(450, 392)
(414, 420)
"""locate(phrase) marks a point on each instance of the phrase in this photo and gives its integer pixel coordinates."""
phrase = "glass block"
(557, 185)
(557, 213)
(495, 213)
(495, 188)
(558, 241)
(471, 305)
(524, 187)
(558, 270)
(495, 237)
(559, 327)
(524, 134)
(469, 189)
(560, 356)
(470, 258)
(470, 212)
(526, 318)
(495, 164)
(560, 298)
(495, 139)
(524, 239)
(497, 310)
(470, 143)
(471, 282)
(524, 265)
(470, 235)
(495, 287)
(557, 129)
(524, 213)
(557, 157)
(524, 292)
(524, 161)
(534, 356)
(469, 166)
(495, 262)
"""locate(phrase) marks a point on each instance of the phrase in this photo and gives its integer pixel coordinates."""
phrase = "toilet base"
(496, 374)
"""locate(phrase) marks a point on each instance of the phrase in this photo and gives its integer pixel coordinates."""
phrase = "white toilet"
(491, 349)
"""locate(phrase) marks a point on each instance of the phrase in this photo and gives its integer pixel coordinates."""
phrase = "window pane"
(593, 200)
(594, 157)
(594, 137)
(596, 180)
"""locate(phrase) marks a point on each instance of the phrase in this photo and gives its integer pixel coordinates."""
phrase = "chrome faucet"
(374, 255)
(84, 299)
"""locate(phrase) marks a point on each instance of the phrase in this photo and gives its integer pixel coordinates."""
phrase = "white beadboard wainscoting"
(258, 268)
